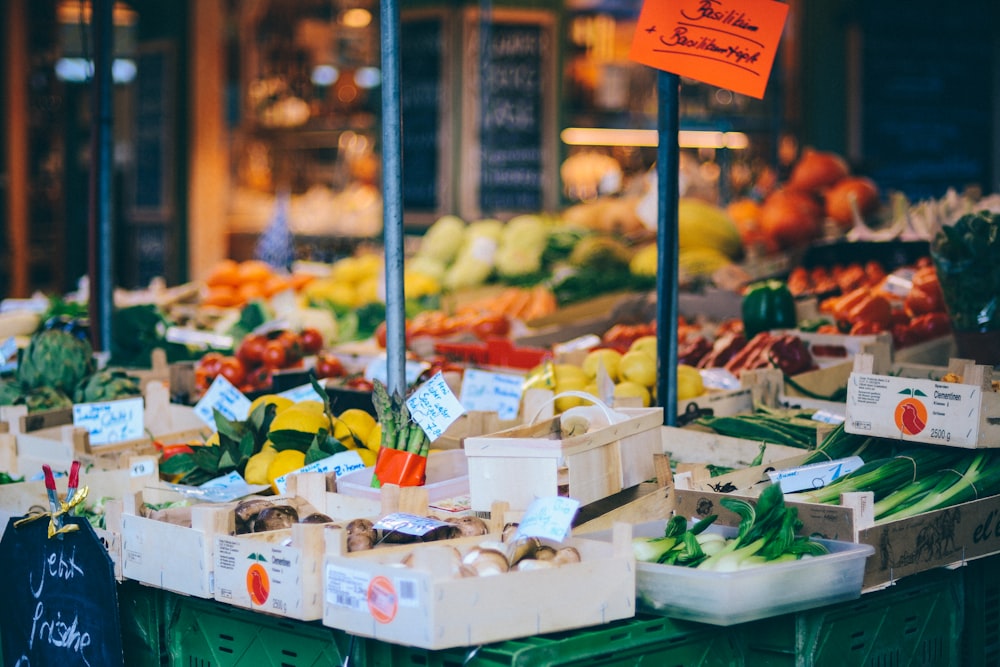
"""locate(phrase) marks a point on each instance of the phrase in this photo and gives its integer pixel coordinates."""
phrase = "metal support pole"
(100, 260)
(392, 200)
(667, 165)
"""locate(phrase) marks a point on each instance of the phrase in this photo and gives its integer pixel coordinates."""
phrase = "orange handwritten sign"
(726, 43)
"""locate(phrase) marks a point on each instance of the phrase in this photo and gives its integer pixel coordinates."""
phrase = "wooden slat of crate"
(525, 462)
(427, 606)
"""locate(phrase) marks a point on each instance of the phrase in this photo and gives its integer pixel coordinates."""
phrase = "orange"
(254, 270)
(225, 272)
(221, 296)
(275, 284)
(250, 291)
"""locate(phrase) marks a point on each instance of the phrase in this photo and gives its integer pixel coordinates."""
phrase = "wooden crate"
(471, 424)
(280, 571)
(371, 594)
(522, 463)
(50, 437)
(105, 486)
(929, 411)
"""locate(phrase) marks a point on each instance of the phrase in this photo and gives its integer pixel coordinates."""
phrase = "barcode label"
(346, 588)
(408, 596)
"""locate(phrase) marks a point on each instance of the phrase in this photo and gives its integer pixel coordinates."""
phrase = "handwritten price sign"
(434, 407)
(111, 421)
(726, 43)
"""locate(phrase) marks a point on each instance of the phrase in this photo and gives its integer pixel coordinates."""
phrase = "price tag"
(549, 518)
(199, 339)
(377, 369)
(225, 398)
(340, 463)
(31, 305)
(305, 392)
(111, 421)
(229, 487)
(814, 475)
(726, 43)
(492, 392)
(434, 407)
(408, 524)
(8, 355)
(142, 468)
(827, 417)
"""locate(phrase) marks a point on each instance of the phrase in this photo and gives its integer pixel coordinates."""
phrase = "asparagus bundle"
(399, 431)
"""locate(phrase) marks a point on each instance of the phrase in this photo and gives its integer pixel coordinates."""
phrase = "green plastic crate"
(140, 610)
(205, 633)
(644, 640)
(981, 637)
(918, 622)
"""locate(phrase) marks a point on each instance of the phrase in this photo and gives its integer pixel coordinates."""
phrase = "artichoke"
(56, 359)
(10, 393)
(46, 398)
(107, 385)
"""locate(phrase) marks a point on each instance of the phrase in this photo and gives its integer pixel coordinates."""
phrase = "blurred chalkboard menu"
(60, 603)
(422, 97)
(516, 62)
(927, 103)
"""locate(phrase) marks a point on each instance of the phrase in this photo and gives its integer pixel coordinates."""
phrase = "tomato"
(233, 370)
(491, 326)
(922, 300)
(930, 325)
(211, 364)
(257, 379)
(312, 340)
(329, 366)
(902, 335)
(360, 383)
(251, 349)
(865, 327)
(292, 343)
(380, 334)
(874, 309)
(274, 355)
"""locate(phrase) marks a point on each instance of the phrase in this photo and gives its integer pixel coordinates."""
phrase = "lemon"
(257, 465)
(647, 344)
(568, 373)
(689, 382)
(628, 389)
(279, 402)
(610, 359)
(311, 406)
(283, 463)
(367, 456)
(374, 440)
(563, 403)
(637, 366)
(353, 425)
(299, 419)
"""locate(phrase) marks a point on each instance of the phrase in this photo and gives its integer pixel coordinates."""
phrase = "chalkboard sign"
(512, 57)
(926, 95)
(60, 602)
(423, 97)
(151, 181)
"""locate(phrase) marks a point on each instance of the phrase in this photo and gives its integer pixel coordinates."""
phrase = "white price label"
(347, 588)
(434, 407)
(492, 392)
(199, 339)
(549, 518)
(225, 398)
(305, 392)
(142, 468)
(815, 475)
(111, 421)
(340, 463)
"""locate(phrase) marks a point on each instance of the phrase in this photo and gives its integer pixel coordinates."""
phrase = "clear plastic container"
(728, 598)
(447, 477)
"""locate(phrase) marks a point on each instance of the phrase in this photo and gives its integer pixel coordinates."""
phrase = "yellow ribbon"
(55, 521)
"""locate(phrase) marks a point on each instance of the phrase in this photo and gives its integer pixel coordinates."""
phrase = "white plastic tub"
(728, 598)
(447, 477)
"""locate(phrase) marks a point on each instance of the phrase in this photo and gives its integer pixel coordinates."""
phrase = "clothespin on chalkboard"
(57, 508)
(74, 482)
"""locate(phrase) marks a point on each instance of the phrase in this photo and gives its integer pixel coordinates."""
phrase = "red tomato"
(211, 364)
(360, 383)
(329, 366)
(491, 326)
(380, 333)
(251, 349)
(166, 451)
(922, 300)
(930, 325)
(312, 340)
(232, 369)
(274, 355)
(292, 343)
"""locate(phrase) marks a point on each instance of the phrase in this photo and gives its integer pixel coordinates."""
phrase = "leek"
(975, 476)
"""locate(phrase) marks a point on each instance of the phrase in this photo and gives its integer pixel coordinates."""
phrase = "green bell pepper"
(767, 305)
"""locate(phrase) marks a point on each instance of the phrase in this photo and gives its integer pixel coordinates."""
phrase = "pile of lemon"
(354, 428)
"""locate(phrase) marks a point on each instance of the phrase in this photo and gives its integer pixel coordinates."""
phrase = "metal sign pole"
(392, 200)
(100, 259)
(667, 166)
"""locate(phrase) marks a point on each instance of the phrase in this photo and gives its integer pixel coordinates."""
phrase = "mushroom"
(316, 517)
(486, 562)
(469, 526)
(566, 555)
(275, 517)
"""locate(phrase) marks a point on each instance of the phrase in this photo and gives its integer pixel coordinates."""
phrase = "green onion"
(975, 476)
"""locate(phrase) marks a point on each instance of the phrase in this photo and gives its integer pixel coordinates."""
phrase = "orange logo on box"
(910, 416)
(258, 584)
(383, 603)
